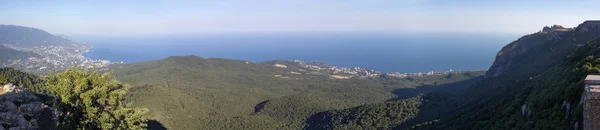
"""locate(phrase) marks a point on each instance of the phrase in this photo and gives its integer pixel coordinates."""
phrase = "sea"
(386, 52)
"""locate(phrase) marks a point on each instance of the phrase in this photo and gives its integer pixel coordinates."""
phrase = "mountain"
(535, 52)
(50, 52)
(27, 36)
(190, 92)
(549, 100)
(7, 55)
(536, 82)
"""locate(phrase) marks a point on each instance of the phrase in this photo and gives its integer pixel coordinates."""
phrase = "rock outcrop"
(23, 110)
(555, 28)
(546, 48)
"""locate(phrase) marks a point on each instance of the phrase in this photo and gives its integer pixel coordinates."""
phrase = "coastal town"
(56, 57)
(364, 72)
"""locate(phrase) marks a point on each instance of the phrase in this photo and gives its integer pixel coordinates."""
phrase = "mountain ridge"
(49, 52)
(550, 47)
(29, 36)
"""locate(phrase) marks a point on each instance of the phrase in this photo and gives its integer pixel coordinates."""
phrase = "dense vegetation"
(189, 92)
(29, 82)
(90, 101)
(372, 116)
(549, 100)
(81, 100)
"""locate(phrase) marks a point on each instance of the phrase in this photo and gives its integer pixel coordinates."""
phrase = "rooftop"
(592, 79)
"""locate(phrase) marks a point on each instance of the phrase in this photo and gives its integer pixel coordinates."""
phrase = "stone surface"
(23, 110)
(591, 112)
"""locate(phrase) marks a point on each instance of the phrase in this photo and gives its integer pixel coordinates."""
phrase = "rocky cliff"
(535, 52)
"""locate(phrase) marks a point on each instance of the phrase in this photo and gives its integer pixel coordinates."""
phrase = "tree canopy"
(92, 101)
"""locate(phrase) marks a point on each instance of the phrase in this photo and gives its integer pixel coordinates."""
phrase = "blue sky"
(144, 17)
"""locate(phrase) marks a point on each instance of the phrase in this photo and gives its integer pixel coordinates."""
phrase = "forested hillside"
(547, 97)
(29, 82)
(549, 100)
(7, 55)
(534, 53)
(372, 116)
(535, 83)
(189, 92)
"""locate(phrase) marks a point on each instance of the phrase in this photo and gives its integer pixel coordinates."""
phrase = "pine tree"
(92, 101)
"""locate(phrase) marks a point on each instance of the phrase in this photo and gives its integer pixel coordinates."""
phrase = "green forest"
(230, 94)
(190, 92)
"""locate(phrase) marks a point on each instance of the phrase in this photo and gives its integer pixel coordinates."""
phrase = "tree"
(2, 80)
(90, 101)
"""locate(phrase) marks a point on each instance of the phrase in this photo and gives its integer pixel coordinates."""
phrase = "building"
(591, 109)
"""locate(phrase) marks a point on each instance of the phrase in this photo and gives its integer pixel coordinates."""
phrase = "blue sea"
(383, 52)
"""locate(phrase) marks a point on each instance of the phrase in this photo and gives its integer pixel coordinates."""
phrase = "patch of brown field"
(562, 29)
(280, 66)
(339, 77)
(1, 92)
(298, 73)
(281, 76)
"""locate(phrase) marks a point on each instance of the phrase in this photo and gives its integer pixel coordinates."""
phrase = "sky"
(148, 17)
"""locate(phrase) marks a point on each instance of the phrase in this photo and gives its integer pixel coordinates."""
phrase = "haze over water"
(382, 52)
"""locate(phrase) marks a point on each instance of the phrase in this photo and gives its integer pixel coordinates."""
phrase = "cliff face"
(536, 52)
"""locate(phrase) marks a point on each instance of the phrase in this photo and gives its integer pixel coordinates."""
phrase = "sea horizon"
(382, 52)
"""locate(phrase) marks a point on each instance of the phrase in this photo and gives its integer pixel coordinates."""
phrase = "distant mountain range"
(27, 36)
